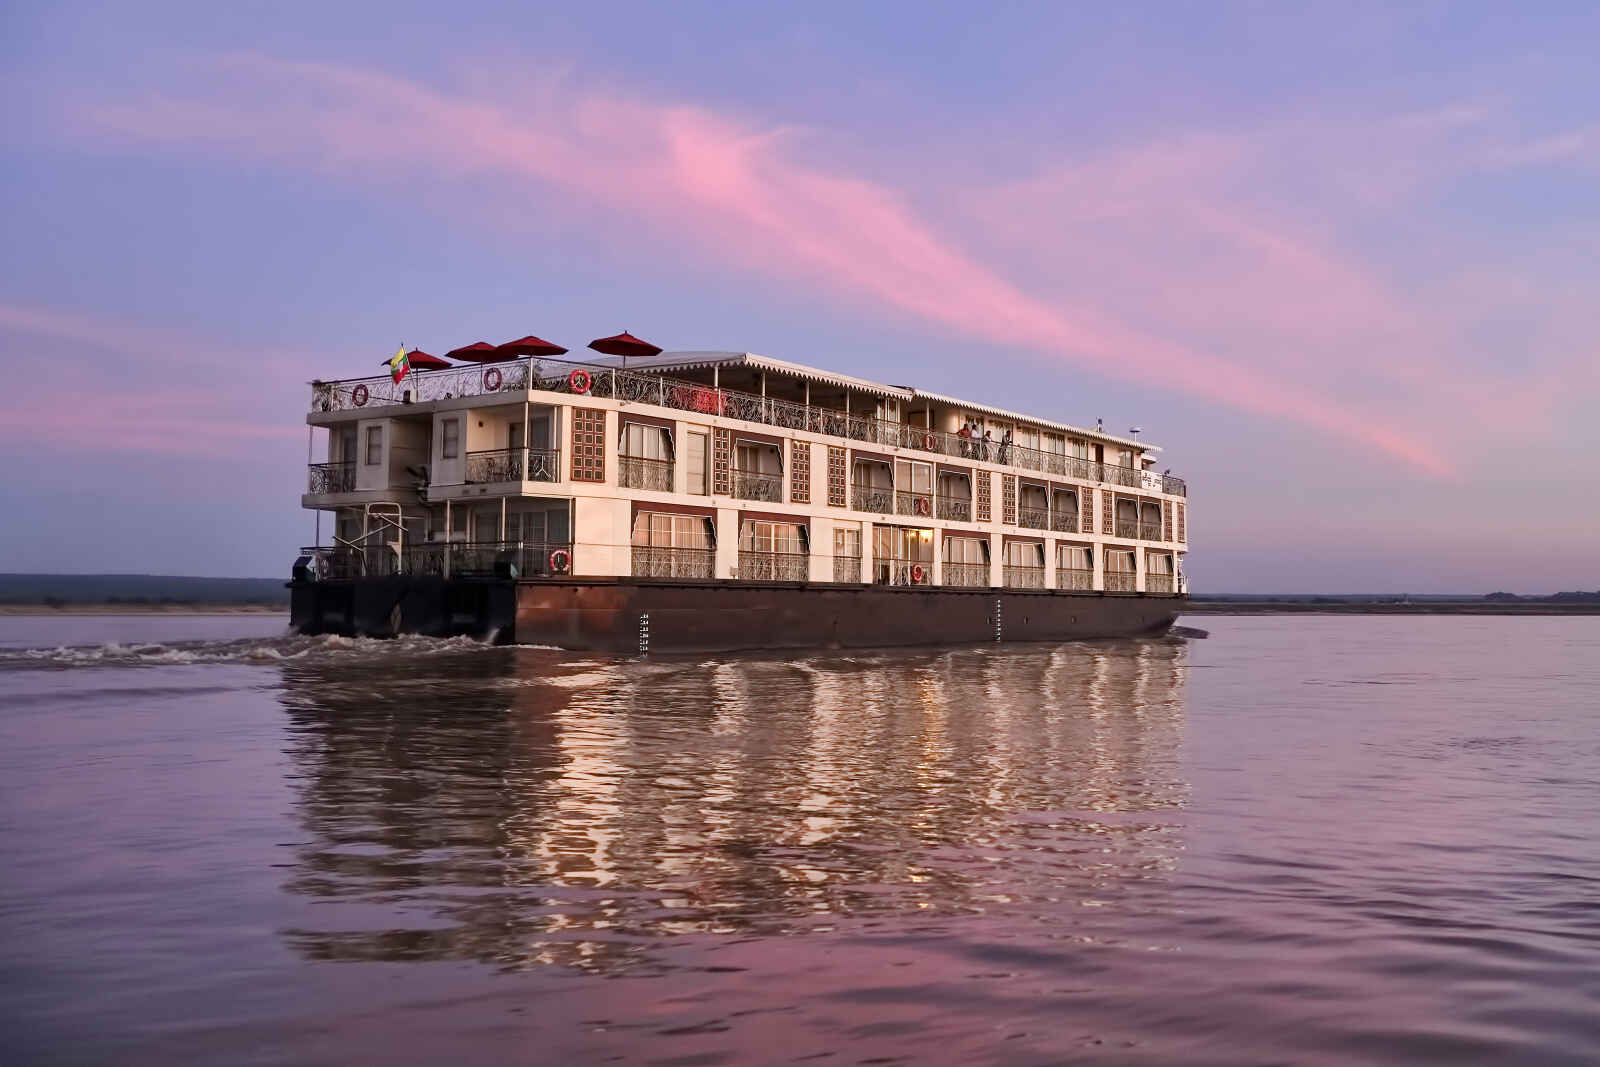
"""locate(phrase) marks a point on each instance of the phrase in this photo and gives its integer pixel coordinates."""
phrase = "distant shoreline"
(1293, 607)
(144, 609)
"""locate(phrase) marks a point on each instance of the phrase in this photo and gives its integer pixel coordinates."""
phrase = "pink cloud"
(96, 386)
(1225, 278)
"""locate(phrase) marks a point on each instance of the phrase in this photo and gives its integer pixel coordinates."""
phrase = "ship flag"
(399, 366)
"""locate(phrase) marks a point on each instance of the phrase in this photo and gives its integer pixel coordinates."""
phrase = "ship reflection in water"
(525, 808)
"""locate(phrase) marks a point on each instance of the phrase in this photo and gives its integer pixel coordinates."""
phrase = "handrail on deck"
(558, 376)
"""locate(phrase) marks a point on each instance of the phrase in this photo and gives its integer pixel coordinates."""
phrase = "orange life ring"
(559, 561)
(916, 574)
(358, 396)
(579, 381)
(492, 380)
(927, 441)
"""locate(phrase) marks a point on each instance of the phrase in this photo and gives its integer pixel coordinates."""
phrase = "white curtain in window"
(1074, 558)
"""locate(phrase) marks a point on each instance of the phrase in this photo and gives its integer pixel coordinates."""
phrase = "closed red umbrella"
(531, 346)
(420, 360)
(624, 344)
(478, 352)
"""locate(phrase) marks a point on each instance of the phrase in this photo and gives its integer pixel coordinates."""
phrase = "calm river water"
(1304, 840)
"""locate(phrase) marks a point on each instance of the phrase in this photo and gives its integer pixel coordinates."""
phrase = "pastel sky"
(1339, 259)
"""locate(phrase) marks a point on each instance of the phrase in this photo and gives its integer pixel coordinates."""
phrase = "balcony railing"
(1120, 581)
(891, 571)
(513, 465)
(1034, 518)
(331, 478)
(1064, 521)
(870, 498)
(966, 575)
(1176, 486)
(847, 569)
(913, 503)
(956, 508)
(637, 472)
(1074, 578)
(755, 485)
(1018, 576)
(652, 561)
(532, 559)
(1128, 528)
(1158, 583)
(560, 376)
(1150, 531)
(774, 566)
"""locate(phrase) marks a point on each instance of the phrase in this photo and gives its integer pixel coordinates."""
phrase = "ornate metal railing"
(1074, 578)
(637, 472)
(1064, 521)
(651, 561)
(1119, 475)
(1034, 518)
(532, 559)
(495, 465)
(561, 376)
(1120, 581)
(513, 465)
(847, 569)
(331, 478)
(756, 485)
(1128, 528)
(1171, 483)
(774, 566)
(958, 508)
(1150, 531)
(1158, 583)
(966, 575)
(913, 503)
(902, 572)
(1018, 576)
(456, 558)
(870, 498)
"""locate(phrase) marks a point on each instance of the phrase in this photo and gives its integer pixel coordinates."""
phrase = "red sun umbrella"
(478, 352)
(624, 344)
(422, 361)
(530, 346)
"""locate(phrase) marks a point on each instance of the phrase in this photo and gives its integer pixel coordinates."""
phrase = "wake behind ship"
(713, 501)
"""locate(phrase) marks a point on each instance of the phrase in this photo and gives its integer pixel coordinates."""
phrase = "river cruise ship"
(697, 501)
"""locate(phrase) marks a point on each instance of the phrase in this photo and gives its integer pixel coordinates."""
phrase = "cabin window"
(966, 550)
(695, 453)
(1119, 561)
(1158, 563)
(762, 536)
(912, 477)
(374, 446)
(1074, 557)
(902, 555)
(847, 541)
(347, 445)
(640, 441)
(450, 439)
(1024, 554)
(514, 435)
(661, 530)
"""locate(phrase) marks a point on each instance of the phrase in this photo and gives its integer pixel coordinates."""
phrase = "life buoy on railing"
(492, 380)
(358, 396)
(916, 574)
(927, 441)
(922, 505)
(579, 381)
(560, 560)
